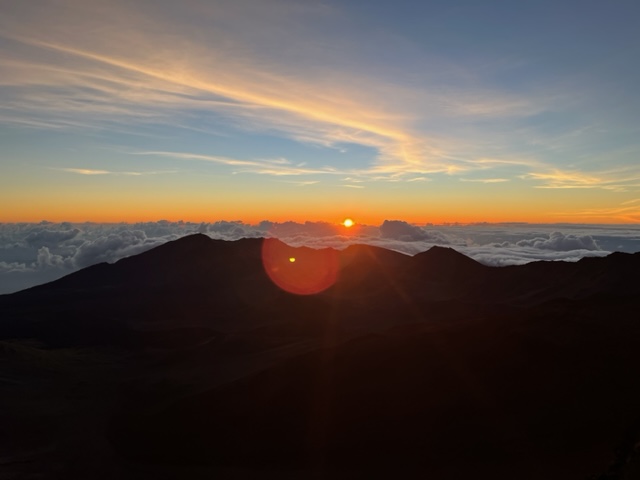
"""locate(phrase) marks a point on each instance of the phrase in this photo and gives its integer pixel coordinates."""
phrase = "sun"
(348, 222)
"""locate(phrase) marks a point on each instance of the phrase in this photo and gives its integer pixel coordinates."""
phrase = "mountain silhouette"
(191, 360)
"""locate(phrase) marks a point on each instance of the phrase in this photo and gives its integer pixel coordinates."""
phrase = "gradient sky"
(426, 111)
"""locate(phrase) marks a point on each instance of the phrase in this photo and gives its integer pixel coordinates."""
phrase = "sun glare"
(348, 222)
(303, 271)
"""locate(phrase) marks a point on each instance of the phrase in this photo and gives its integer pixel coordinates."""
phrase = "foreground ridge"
(188, 360)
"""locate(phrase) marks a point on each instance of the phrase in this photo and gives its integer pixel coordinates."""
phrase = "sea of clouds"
(35, 253)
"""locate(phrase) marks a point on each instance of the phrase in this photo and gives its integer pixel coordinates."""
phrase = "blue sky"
(425, 111)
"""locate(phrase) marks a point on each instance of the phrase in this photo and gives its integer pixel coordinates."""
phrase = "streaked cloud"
(304, 183)
(276, 167)
(615, 181)
(626, 212)
(485, 180)
(85, 171)
(89, 171)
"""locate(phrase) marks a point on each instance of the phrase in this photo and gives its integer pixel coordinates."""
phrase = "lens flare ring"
(303, 271)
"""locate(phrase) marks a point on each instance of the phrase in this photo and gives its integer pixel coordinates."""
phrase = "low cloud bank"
(560, 242)
(31, 254)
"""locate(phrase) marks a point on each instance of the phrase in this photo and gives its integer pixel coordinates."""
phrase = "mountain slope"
(197, 281)
(187, 361)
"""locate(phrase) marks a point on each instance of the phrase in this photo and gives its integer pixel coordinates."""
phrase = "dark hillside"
(187, 361)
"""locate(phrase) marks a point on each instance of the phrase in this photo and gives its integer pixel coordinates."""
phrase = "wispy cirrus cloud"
(269, 67)
(303, 183)
(619, 181)
(275, 167)
(60, 71)
(484, 180)
(85, 171)
(625, 212)
(92, 171)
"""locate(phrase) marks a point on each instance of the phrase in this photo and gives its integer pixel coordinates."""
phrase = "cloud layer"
(31, 254)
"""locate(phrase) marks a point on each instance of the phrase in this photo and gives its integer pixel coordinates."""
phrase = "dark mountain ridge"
(431, 366)
(199, 262)
(196, 281)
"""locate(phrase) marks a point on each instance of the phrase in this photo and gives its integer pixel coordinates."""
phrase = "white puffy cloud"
(6, 267)
(560, 242)
(224, 230)
(399, 230)
(115, 246)
(46, 259)
(500, 255)
(46, 237)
